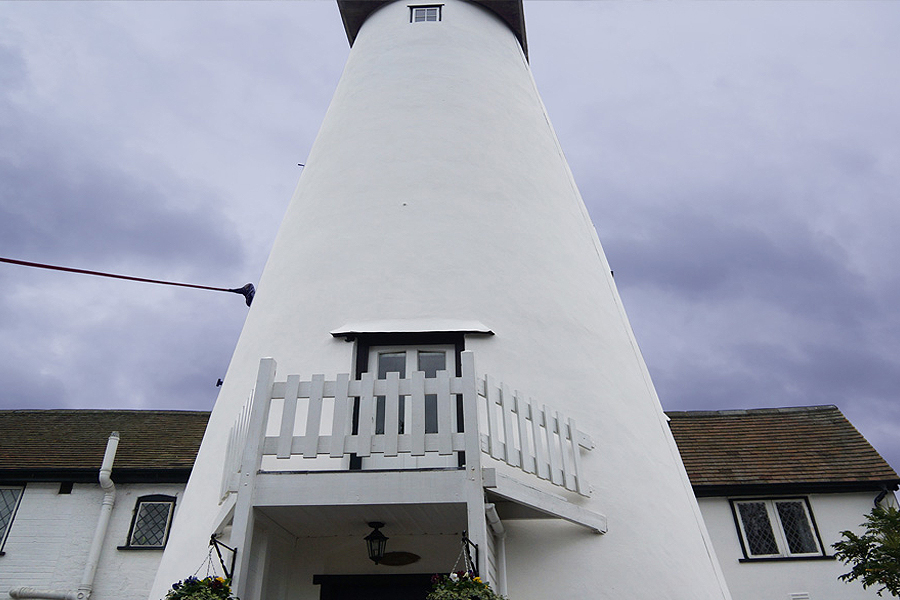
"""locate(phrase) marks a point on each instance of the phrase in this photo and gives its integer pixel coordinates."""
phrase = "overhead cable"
(247, 291)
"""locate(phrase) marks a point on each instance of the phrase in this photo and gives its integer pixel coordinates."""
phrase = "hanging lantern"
(376, 542)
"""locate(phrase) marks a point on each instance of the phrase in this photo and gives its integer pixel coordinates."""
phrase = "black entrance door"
(373, 587)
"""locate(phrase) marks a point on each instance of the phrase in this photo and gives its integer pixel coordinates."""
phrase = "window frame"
(4, 534)
(156, 499)
(414, 7)
(411, 354)
(366, 342)
(777, 529)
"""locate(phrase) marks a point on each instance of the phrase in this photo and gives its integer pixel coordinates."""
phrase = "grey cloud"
(92, 215)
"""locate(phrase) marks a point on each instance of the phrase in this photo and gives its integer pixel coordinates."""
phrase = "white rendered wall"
(294, 561)
(51, 534)
(436, 189)
(778, 580)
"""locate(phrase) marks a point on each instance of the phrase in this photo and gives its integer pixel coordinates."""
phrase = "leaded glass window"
(152, 517)
(776, 528)
(9, 501)
(757, 528)
(797, 529)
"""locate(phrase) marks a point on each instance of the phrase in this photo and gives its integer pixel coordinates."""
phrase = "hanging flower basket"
(209, 588)
(462, 585)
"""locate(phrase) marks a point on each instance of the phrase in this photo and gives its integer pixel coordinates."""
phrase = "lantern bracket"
(215, 543)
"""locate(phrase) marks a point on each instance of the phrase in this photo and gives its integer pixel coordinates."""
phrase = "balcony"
(348, 450)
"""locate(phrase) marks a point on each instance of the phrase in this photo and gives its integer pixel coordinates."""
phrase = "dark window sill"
(785, 558)
(140, 548)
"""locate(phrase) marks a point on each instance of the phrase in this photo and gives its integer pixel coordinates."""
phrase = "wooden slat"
(366, 414)
(269, 445)
(391, 413)
(507, 404)
(229, 462)
(457, 385)
(470, 411)
(314, 416)
(522, 410)
(493, 426)
(416, 428)
(540, 440)
(241, 439)
(576, 459)
(340, 424)
(563, 451)
(288, 416)
(445, 422)
(551, 455)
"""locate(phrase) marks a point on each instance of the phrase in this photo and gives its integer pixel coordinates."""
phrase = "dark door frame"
(414, 586)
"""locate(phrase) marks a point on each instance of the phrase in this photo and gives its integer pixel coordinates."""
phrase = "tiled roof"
(75, 440)
(809, 446)
(802, 446)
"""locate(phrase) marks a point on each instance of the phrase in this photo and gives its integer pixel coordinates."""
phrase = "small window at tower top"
(421, 14)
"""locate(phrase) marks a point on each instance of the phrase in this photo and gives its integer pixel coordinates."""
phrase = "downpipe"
(86, 586)
(499, 533)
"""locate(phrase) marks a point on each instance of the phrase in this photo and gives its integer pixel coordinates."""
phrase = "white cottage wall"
(833, 513)
(51, 534)
(437, 190)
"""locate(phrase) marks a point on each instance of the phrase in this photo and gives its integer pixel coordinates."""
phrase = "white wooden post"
(242, 530)
(256, 575)
(476, 520)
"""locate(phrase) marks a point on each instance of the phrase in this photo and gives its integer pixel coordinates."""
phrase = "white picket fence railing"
(237, 439)
(316, 420)
(534, 438)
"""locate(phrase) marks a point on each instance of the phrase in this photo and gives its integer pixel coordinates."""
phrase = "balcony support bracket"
(551, 505)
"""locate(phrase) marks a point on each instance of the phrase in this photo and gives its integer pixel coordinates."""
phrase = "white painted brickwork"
(790, 579)
(51, 535)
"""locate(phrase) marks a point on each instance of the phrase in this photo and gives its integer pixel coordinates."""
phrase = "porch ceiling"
(351, 520)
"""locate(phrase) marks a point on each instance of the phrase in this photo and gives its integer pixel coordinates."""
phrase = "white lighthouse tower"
(437, 345)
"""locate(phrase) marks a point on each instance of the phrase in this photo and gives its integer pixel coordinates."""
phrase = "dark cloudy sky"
(741, 161)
